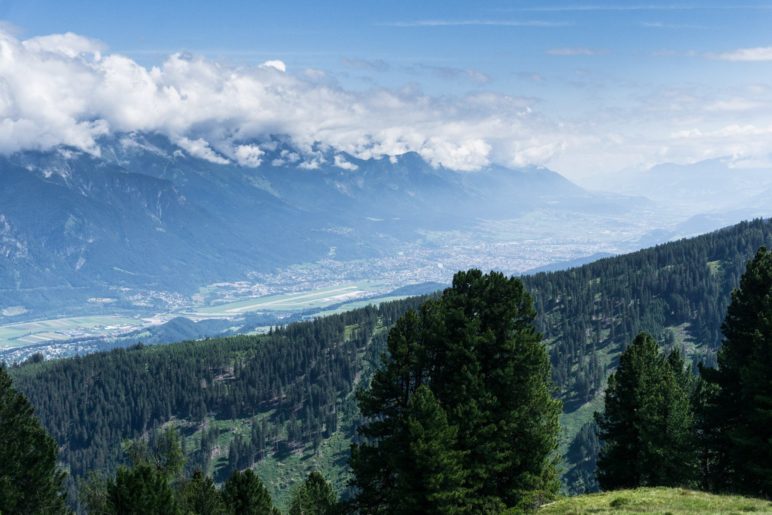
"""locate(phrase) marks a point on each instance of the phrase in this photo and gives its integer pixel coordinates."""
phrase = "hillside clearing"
(656, 500)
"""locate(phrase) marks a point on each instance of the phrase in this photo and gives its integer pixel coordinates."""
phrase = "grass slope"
(656, 500)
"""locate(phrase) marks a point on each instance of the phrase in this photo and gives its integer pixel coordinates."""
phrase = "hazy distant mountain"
(146, 214)
(711, 186)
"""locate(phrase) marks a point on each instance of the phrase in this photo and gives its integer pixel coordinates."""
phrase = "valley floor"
(656, 500)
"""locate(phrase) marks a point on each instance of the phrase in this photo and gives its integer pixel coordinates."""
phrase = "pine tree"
(140, 490)
(378, 461)
(30, 481)
(739, 414)
(647, 425)
(245, 494)
(477, 351)
(433, 481)
(313, 497)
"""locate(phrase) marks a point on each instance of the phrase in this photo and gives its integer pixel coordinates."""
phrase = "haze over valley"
(144, 232)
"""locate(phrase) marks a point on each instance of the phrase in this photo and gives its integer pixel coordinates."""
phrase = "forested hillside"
(278, 398)
(678, 292)
(288, 385)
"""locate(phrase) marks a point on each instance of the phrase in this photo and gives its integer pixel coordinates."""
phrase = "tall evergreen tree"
(740, 411)
(478, 353)
(199, 496)
(245, 494)
(379, 461)
(647, 425)
(140, 490)
(314, 497)
(30, 481)
(434, 479)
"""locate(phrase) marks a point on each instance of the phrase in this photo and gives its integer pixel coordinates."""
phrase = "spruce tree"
(647, 426)
(477, 351)
(30, 481)
(738, 416)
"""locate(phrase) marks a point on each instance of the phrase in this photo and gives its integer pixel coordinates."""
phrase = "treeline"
(602, 306)
(296, 374)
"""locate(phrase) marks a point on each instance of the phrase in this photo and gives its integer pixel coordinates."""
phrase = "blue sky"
(691, 69)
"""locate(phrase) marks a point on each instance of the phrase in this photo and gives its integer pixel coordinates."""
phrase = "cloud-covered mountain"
(65, 89)
(148, 214)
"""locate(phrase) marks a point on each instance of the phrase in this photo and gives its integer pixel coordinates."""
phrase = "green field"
(375, 301)
(289, 301)
(656, 500)
(39, 331)
(344, 297)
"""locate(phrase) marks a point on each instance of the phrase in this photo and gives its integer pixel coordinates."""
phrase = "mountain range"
(145, 215)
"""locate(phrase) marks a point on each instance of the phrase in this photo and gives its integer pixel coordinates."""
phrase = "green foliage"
(583, 452)
(140, 490)
(297, 374)
(163, 451)
(245, 494)
(597, 309)
(476, 351)
(738, 410)
(433, 481)
(296, 377)
(199, 496)
(30, 481)
(92, 494)
(647, 425)
(314, 497)
(155, 483)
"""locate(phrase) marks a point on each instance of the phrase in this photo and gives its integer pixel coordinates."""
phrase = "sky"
(584, 88)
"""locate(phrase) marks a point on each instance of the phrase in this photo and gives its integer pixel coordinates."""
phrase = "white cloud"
(200, 148)
(341, 163)
(248, 155)
(746, 54)
(68, 45)
(275, 64)
(68, 90)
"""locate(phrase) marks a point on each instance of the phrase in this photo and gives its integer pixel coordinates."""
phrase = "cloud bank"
(66, 89)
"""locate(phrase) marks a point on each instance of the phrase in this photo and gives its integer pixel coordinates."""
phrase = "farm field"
(287, 302)
(374, 301)
(338, 298)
